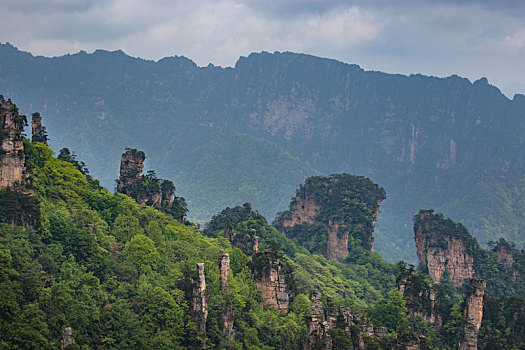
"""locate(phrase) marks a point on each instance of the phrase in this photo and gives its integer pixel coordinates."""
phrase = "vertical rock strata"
(442, 247)
(12, 158)
(473, 314)
(337, 242)
(270, 278)
(199, 307)
(504, 253)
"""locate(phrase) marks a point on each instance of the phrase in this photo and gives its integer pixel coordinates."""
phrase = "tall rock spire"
(12, 158)
(38, 131)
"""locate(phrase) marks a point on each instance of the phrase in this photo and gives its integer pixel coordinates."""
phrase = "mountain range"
(254, 132)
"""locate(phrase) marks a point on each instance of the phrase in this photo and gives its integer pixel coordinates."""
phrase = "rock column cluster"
(355, 326)
(132, 183)
(316, 325)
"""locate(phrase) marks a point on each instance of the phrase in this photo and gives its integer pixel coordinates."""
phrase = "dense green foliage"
(73, 254)
(101, 264)
(118, 273)
(503, 325)
(263, 126)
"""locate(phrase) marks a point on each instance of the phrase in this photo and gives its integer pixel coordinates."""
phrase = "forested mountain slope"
(254, 132)
(82, 268)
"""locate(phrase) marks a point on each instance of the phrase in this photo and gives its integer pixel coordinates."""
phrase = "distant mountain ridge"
(254, 132)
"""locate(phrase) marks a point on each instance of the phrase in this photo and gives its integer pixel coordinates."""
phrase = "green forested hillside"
(122, 276)
(115, 272)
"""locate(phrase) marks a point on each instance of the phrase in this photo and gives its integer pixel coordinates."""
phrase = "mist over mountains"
(254, 132)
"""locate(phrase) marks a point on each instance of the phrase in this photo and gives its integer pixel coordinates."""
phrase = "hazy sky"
(468, 38)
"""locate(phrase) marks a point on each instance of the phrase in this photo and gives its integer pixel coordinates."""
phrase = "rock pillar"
(228, 317)
(38, 131)
(224, 268)
(473, 313)
(199, 307)
(12, 158)
(131, 167)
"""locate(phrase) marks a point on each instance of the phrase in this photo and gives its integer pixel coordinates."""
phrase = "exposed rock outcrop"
(333, 206)
(12, 158)
(316, 325)
(67, 338)
(148, 189)
(270, 277)
(199, 307)
(323, 322)
(473, 314)
(255, 242)
(443, 247)
(131, 167)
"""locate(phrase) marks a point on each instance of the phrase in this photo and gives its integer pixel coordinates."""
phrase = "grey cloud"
(472, 38)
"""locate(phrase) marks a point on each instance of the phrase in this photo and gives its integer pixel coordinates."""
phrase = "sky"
(473, 39)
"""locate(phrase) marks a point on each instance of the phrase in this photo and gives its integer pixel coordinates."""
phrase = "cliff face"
(473, 314)
(12, 159)
(443, 247)
(270, 278)
(316, 325)
(327, 211)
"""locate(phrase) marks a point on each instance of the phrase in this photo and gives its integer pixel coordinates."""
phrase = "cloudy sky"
(465, 37)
